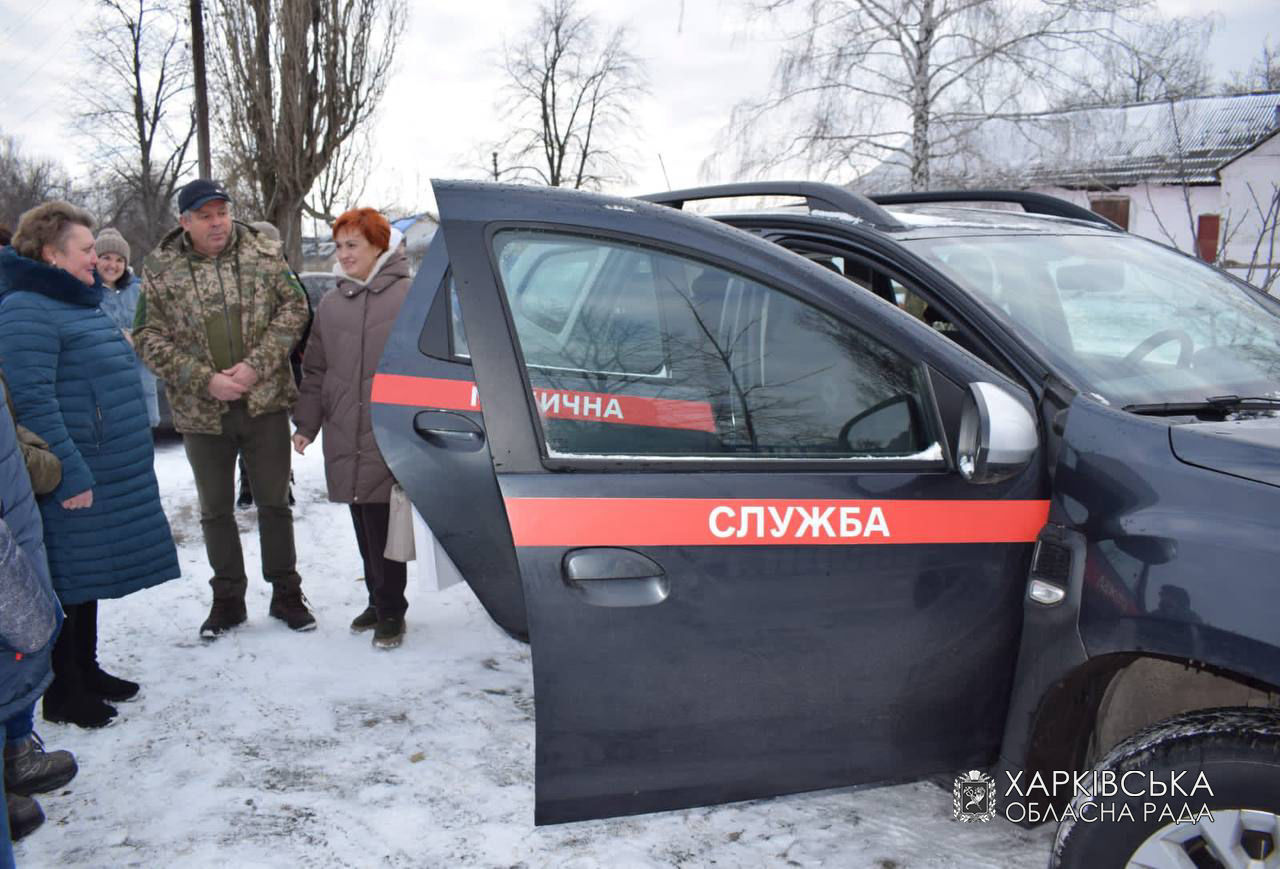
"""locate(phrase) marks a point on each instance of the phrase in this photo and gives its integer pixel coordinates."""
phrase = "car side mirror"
(998, 435)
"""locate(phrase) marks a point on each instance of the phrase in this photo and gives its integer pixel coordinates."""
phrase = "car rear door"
(747, 563)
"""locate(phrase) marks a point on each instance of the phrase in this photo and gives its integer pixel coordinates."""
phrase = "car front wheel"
(1197, 791)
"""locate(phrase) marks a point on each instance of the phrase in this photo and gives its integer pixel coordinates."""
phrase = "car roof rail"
(1032, 203)
(818, 196)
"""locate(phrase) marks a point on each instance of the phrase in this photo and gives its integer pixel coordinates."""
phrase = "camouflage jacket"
(186, 295)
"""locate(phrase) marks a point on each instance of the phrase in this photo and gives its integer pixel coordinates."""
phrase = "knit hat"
(111, 241)
(267, 228)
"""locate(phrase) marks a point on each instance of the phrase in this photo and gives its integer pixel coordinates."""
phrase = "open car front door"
(747, 563)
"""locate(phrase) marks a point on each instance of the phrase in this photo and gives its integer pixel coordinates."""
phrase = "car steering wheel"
(1164, 336)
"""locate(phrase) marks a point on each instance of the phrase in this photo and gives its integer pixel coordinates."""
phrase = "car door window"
(460, 349)
(633, 351)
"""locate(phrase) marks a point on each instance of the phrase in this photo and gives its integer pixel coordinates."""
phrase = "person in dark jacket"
(29, 619)
(120, 289)
(75, 384)
(347, 338)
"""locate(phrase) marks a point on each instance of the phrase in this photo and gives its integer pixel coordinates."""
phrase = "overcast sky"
(703, 56)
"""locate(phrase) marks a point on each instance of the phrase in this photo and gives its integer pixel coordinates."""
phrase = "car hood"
(1248, 448)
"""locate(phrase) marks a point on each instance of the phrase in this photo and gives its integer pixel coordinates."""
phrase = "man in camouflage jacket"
(218, 315)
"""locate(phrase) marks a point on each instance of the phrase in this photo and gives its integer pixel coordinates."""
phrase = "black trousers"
(384, 578)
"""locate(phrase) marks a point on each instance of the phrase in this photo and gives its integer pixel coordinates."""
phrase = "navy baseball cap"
(198, 192)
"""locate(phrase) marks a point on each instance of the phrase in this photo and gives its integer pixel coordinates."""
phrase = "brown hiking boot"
(29, 769)
(290, 607)
(25, 815)
(225, 614)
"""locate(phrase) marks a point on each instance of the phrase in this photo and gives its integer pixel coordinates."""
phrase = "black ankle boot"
(97, 680)
(68, 700)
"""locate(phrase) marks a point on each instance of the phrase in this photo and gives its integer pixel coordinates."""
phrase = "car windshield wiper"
(1212, 404)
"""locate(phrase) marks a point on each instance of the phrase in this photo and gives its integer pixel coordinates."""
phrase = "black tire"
(1237, 749)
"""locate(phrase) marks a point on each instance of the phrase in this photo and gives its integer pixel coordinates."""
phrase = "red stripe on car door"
(641, 410)
(760, 522)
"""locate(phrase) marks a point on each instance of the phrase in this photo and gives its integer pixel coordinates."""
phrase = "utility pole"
(495, 165)
(202, 97)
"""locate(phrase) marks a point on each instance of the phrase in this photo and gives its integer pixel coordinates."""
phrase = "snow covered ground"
(268, 748)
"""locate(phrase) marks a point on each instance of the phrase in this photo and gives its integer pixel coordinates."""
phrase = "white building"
(1202, 174)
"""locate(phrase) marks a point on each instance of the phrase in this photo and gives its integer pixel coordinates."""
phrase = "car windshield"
(1123, 318)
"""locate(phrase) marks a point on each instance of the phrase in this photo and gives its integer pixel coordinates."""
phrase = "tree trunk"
(920, 98)
(286, 216)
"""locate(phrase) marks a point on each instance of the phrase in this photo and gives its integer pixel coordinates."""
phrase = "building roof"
(404, 223)
(1161, 142)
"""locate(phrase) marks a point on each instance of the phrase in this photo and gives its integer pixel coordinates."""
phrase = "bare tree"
(25, 181)
(343, 181)
(1263, 268)
(297, 79)
(569, 93)
(863, 82)
(1145, 59)
(137, 114)
(1263, 73)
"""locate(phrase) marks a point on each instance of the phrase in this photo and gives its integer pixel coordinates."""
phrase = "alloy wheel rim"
(1233, 839)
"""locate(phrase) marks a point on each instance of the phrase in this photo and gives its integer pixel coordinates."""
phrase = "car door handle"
(615, 577)
(444, 424)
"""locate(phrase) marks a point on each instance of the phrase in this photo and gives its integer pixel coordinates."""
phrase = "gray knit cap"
(267, 229)
(111, 241)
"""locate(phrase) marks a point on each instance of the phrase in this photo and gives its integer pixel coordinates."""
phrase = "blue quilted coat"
(29, 608)
(74, 382)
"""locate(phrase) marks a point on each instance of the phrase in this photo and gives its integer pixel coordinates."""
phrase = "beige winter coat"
(347, 337)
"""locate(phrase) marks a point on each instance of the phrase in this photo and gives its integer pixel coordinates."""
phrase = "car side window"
(459, 348)
(637, 352)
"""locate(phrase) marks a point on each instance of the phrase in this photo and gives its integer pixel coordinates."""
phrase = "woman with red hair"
(347, 337)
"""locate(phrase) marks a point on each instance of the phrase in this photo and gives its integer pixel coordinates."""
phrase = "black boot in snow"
(80, 708)
(96, 679)
(25, 815)
(246, 494)
(289, 606)
(29, 769)
(68, 700)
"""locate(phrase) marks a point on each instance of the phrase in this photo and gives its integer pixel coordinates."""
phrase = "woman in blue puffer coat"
(74, 383)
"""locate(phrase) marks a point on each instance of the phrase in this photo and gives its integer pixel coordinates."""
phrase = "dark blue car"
(857, 492)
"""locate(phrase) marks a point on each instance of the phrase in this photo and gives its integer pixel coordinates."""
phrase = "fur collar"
(37, 277)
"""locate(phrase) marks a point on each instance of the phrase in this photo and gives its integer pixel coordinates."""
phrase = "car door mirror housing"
(998, 435)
